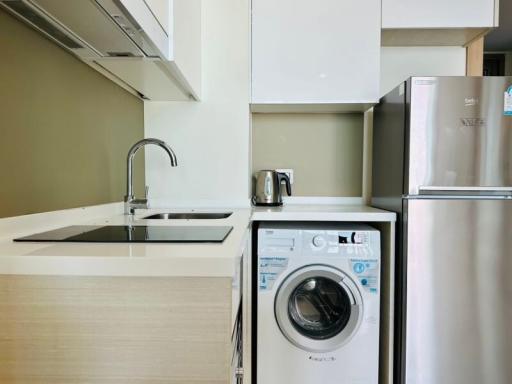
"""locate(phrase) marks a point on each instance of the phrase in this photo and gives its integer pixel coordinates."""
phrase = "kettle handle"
(284, 177)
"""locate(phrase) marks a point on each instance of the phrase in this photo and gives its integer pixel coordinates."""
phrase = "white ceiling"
(501, 38)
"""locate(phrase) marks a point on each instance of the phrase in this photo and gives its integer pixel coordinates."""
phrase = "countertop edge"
(323, 216)
(222, 267)
(323, 213)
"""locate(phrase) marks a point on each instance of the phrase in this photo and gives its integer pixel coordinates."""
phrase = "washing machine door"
(318, 308)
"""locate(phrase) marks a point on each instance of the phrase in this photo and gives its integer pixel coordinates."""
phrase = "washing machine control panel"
(356, 251)
(356, 248)
(351, 237)
(336, 242)
(319, 241)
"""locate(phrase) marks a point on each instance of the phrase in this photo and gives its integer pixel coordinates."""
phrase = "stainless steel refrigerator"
(442, 159)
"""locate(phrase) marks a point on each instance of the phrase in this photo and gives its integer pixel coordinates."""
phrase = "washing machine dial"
(318, 241)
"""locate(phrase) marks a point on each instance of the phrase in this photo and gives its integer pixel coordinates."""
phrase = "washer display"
(313, 308)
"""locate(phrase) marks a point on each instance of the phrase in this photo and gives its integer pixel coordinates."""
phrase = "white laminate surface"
(322, 212)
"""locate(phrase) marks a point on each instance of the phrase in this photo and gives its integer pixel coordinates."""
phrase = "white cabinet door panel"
(150, 24)
(325, 51)
(161, 9)
(438, 13)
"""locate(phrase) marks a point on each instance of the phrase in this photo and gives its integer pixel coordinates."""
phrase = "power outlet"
(288, 171)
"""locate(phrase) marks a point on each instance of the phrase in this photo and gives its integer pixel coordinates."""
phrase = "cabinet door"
(161, 9)
(326, 51)
(152, 26)
(438, 13)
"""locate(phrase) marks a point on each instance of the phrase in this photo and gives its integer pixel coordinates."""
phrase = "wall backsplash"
(64, 128)
(325, 151)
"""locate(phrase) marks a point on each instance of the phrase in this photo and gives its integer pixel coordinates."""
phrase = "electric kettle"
(267, 190)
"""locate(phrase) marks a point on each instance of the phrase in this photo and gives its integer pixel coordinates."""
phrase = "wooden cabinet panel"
(115, 330)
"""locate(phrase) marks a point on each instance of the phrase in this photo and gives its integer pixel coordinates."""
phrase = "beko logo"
(470, 101)
(322, 359)
(472, 121)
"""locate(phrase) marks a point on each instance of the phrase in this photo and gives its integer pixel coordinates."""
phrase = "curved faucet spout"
(130, 202)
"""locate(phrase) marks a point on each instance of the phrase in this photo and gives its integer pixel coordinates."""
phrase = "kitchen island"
(119, 313)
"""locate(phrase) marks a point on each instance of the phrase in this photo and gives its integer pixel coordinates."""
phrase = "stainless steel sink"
(189, 216)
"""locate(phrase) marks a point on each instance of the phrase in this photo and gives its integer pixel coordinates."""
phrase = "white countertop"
(119, 259)
(322, 212)
(170, 259)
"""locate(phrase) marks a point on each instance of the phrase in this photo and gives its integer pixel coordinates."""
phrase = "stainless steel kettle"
(267, 190)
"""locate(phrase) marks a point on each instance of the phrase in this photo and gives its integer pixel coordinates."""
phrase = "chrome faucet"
(130, 202)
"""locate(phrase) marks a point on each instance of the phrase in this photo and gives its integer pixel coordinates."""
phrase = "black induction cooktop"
(132, 234)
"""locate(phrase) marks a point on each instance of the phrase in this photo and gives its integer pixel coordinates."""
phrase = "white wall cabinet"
(174, 28)
(319, 56)
(436, 22)
(152, 48)
(150, 20)
(161, 10)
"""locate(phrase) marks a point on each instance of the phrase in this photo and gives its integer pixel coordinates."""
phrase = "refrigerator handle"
(465, 191)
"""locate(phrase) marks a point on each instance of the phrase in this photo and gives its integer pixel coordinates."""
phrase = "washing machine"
(317, 303)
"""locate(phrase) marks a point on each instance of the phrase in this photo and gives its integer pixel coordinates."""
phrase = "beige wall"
(325, 151)
(64, 128)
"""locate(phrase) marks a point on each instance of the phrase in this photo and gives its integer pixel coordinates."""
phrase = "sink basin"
(189, 216)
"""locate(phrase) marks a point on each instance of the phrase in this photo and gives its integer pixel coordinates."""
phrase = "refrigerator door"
(459, 292)
(459, 133)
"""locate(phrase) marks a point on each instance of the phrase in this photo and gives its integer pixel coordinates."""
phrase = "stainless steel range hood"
(121, 38)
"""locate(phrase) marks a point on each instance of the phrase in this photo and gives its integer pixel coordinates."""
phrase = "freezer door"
(459, 292)
(459, 134)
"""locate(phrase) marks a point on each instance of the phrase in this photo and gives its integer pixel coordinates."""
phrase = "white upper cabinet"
(319, 55)
(174, 29)
(436, 22)
(161, 10)
(437, 13)
(147, 19)
(150, 47)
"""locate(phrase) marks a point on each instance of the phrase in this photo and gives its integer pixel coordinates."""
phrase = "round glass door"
(318, 308)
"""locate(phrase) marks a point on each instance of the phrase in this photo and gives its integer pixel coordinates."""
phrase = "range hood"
(123, 39)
